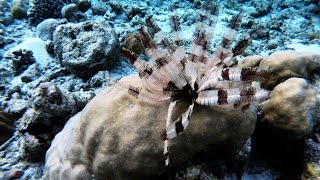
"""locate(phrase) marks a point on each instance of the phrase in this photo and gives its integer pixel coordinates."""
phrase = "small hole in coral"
(180, 175)
(88, 28)
(72, 35)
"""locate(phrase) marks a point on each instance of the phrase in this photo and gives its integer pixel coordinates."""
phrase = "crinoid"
(197, 77)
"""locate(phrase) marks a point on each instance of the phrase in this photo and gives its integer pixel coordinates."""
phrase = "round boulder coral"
(286, 64)
(72, 14)
(132, 42)
(117, 136)
(250, 61)
(46, 28)
(18, 9)
(293, 108)
(83, 5)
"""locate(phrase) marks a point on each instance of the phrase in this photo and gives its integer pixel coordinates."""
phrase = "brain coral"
(44, 9)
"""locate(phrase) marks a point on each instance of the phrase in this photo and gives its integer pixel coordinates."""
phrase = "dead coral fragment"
(22, 59)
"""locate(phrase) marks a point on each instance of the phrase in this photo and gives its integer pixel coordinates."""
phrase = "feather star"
(198, 76)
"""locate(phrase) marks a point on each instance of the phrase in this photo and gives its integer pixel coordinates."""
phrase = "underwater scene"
(159, 89)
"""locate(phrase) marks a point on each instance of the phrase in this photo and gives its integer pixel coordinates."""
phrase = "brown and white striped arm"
(203, 34)
(176, 33)
(234, 75)
(235, 96)
(159, 36)
(153, 81)
(174, 127)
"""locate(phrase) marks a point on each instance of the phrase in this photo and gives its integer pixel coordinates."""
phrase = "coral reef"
(43, 9)
(271, 152)
(99, 110)
(109, 140)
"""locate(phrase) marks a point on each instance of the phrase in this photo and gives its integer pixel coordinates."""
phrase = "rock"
(134, 10)
(286, 64)
(46, 28)
(22, 59)
(50, 47)
(18, 9)
(261, 9)
(83, 5)
(30, 74)
(136, 21)
(5, 13)
(12, 90)
(6, 20)
(98, 7)
(17, 106)
(86, 48)
(50, 100)
(2, 40)
(51, 106)
(16, 173)
(116, 7)
(71, 13)
(26, 78)
(13, 160)
(38, 48)
(6, 126)
(83, 97)
(45, 115)
(312, 157)
(35, 150)
(100, 79)
(293, 108)
(133, 43)
(9, 40)
(69, 10)
(6, 74)
(117, 136)
(312, 171)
